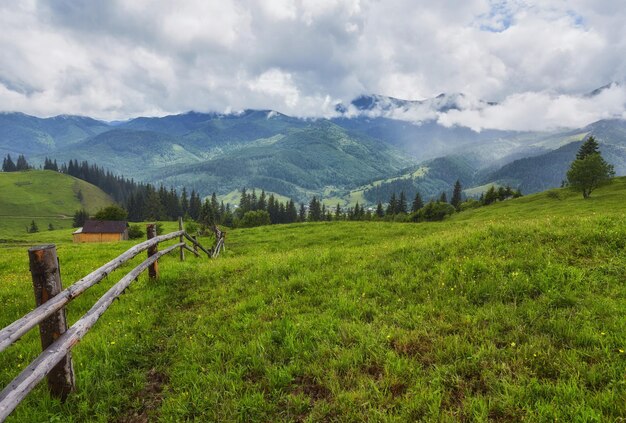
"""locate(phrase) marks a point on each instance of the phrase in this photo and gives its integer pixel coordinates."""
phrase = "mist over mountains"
(371, 147)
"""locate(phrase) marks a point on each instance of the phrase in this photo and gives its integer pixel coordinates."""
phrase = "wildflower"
(621, 351)
(513, 344)
(112, 342)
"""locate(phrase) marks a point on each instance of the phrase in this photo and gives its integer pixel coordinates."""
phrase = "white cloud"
(118, 59)
(541, 111)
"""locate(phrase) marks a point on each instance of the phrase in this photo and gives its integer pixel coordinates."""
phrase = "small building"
(102, 231)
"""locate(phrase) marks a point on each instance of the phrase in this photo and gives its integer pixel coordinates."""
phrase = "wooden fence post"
(44, 268)
(153, 269)
(181, 239)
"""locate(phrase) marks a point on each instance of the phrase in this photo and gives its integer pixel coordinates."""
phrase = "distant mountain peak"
(597, 91)
(375, 105)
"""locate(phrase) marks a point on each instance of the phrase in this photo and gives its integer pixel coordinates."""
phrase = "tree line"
(8, 165)
(144, 202)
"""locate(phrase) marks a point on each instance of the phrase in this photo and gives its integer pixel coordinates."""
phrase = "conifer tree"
(315, 210)
(184, 202)
(292, 212)
(302, 213)
(22, 164)
(253, 205)
(215, 209)
(195, 205)
(402, 206)
(33, 227)
(588, 148)
(457, 194)
(272, 209)
(589, 171)
(356, 214)
(418, 203)
(244, 203)
(262, 203)
(392, 207)
(79, 218)
(8, 165)
(380, 212)
(490, 196)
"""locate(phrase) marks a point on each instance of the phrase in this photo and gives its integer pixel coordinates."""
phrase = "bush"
(469, 204)
(159, 228)
(135, 232)
(33, 228)
(113, 212)
(433, 211)
(400, 217)
(191, 227)
(255, 218)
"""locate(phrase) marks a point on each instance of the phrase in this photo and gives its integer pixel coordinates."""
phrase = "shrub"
(135, 232)
(555, 194)
(469, 204)
(113, 212)
(401, 217)
(191, 227)
(33, 228)
(255, 218)
(433, 211)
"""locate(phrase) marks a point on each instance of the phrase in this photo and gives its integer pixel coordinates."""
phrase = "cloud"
(533, 111)
(119, 59)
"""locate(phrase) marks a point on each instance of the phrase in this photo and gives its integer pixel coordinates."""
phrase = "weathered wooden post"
(181, 238)
(44, 268)
(153, 269)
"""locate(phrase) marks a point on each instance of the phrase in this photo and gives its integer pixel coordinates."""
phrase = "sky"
(120, 59)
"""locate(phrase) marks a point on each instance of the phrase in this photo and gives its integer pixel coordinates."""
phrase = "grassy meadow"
(45, 196)
(512, 312)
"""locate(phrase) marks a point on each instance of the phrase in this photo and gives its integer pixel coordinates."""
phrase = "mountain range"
(373, 146)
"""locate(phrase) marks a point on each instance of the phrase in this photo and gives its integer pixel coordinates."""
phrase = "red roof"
(104, 227)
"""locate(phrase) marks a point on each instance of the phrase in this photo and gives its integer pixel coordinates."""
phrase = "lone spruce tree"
(457, 195)
(589, 171)
(417, 202)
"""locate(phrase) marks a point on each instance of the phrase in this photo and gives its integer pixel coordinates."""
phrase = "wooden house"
(102, 231)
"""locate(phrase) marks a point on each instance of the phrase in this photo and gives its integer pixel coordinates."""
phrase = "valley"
(364, 153)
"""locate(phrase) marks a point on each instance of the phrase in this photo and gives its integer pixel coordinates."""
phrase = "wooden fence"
(57, 340)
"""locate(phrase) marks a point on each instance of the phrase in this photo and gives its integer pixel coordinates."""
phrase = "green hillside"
(511, 312)
(429, 178)
(45, 196)
(555, 203)
(30, 135)
(538, 173)
(299, 165)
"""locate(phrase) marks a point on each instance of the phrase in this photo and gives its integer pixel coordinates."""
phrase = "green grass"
(510, 312)
(46, 197)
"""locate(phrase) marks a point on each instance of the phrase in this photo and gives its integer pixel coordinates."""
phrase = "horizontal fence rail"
(17, 329)
(55, 360)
